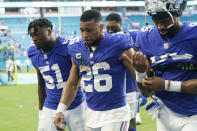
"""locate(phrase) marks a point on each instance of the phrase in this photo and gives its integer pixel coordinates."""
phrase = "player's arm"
(189, 86)
(125, 57)
(41, 90)
(148, 71)
(68, 94)
(71, 87)
(137, 61)
(157, 84)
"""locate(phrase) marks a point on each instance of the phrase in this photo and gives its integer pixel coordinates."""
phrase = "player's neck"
(95, 44)
(98, 41)
(50, 44)
(173, 31)
(180, 25)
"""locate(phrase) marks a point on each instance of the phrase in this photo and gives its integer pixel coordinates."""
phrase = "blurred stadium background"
(14, 19)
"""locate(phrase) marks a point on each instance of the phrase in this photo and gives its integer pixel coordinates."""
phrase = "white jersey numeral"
(92, 73)
(144, 29)
(49, 79)
(173, 56)
(193, 24)
(73, 40)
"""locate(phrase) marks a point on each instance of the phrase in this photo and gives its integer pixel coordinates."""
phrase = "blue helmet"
(152, 7)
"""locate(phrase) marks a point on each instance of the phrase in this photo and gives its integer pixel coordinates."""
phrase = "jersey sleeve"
(133, 34)
(130, 39)
(144, 40)
(72, 41)
(32, 50)
(138, 41)
(32, 54)
(123, 41)
(193, 35)
(120, 44)
(62, 47)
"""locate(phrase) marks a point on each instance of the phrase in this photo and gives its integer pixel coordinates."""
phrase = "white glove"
(154, 106)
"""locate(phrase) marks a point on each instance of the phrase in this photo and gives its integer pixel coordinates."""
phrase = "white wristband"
(174, 86)
(61, 107)
(140, 76)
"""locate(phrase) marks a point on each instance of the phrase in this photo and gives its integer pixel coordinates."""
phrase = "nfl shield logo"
(166, 45)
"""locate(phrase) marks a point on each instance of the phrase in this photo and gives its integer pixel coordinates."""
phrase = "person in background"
(27, 63)
(9, 66)
(18, 65)
(114, 24)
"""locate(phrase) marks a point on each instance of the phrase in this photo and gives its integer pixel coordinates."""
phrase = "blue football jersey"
(132, 33)
(130, 81)
(102, 73)
(54, 66)
(165, 56)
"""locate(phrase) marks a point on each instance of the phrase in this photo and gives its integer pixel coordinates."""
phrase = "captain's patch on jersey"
(78, 56)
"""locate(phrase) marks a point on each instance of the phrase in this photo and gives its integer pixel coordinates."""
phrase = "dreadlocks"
(40, 23)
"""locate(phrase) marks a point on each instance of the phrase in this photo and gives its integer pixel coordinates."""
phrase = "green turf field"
(31, 70)
(19, 110)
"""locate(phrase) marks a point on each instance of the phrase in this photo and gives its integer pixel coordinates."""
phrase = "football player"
(49, 55)
(171, 49)
(114, 24)
(99, 63)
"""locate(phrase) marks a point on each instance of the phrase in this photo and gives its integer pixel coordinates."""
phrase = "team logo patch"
(166, 45)
(78, 56)
(45, 56)
(91, 55)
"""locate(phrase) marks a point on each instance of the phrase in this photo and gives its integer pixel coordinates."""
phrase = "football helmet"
(152, 7)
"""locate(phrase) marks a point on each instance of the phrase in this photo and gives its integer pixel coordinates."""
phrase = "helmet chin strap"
(172, 20)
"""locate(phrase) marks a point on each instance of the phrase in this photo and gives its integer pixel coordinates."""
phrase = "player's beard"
(44, 47)
(96, 42)
(115, 30)
(170, 31)
(118, 30)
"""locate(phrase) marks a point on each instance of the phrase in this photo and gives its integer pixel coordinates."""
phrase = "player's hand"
(139, 61)
(59, 121)
(146, 92)
(154, 83)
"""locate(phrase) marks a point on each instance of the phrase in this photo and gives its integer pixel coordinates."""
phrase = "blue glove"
(143, 100)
